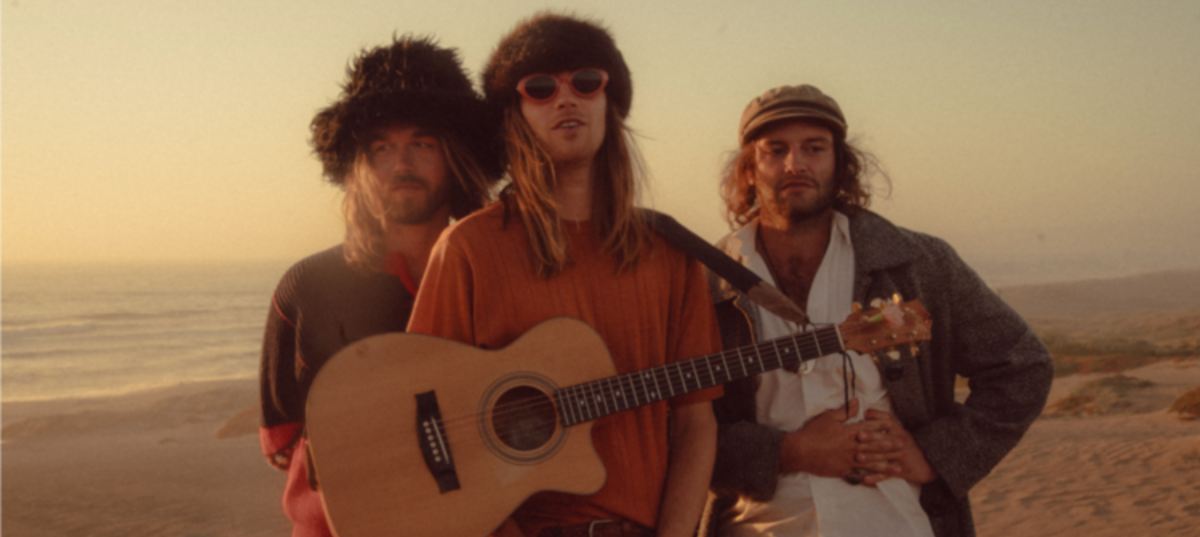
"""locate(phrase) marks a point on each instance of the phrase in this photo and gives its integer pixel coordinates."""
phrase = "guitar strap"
(742, 278)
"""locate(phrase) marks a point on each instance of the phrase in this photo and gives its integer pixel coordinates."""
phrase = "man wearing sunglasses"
(410, 143)
(856, 445)
(567, 240)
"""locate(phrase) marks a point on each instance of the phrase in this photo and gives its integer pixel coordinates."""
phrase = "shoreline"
(185, 459)
(14, 411)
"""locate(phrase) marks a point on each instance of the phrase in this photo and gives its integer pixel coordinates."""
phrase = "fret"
(563, 412)
(725, 366)
(712, 376)
(828, 335)
(670, 389)
(778, 355)
(805, 345)
(576, 401)
(790, 350)
(627, 389)
(624, 394)
(588, 399)
(841, 342)
(633, 389)
(817, 340)
(602, 398)
(651, 394)
(677, 378)
(756, 359)
(615, 397)
(702, 367)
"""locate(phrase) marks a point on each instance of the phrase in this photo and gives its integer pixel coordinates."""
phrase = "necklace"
(762, 247)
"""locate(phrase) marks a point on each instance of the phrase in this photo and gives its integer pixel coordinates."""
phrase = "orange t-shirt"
(480, 288)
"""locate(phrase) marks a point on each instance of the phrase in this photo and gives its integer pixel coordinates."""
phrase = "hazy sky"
(172, 130)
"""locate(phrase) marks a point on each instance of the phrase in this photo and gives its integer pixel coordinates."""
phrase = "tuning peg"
(896, 299)
(877, 303)
(893, 354)
(856, 307)
(914, 350)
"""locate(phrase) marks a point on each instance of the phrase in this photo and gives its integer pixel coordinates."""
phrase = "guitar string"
(610, 386)
(767, 351)
(545, 402)
(671, 376)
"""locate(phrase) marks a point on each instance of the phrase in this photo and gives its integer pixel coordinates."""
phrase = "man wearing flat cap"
(566, 240)
(854, 444)
(411, 144)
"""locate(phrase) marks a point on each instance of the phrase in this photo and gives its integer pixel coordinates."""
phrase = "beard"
(798, 210)
(405, 209)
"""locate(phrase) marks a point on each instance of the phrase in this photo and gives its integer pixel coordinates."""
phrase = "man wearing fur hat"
(410, 143)
(855, 446)
(566, 240)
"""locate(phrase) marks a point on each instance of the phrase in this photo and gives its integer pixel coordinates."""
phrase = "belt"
(599, 528)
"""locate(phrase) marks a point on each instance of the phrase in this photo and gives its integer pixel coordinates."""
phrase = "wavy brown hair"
(365, 213)
(618, 171)
(851, 172)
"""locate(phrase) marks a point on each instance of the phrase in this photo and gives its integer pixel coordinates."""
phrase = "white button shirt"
(805, 504)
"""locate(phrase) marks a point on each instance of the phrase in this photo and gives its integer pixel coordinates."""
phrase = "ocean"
(102, 330)
(85, 331)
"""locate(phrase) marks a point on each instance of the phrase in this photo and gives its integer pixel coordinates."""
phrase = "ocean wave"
(109, 316)
(43, 328)
(89, 321)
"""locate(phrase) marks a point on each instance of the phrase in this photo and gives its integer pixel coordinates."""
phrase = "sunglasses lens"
(540, 87)
(587, 82)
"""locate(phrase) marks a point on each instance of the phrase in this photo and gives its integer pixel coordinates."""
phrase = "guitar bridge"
(435, 447)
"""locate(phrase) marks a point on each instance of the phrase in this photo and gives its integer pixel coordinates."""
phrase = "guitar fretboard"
(599, 398)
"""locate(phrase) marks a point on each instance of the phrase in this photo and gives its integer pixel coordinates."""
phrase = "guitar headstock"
(889, 324)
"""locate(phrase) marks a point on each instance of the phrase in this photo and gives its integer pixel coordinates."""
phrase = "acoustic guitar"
(416, 435)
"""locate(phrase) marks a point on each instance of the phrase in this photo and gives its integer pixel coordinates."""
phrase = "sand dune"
(185, 461)
(1157, 292)
(1129, 471)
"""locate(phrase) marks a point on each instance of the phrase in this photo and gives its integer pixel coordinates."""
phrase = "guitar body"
(499, 424)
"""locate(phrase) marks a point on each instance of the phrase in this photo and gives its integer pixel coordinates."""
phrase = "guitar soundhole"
(524, 418)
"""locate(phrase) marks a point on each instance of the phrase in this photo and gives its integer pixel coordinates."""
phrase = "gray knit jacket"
(975, 335)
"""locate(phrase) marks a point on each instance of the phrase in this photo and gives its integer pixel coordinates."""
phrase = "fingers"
(878, 416)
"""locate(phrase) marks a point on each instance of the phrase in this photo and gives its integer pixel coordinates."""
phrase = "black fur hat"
(412, 80)
(549, 43)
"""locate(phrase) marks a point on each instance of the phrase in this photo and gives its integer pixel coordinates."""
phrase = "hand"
(889, 451)
(827, 445)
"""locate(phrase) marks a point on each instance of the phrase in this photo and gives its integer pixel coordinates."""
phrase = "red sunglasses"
(540, 87)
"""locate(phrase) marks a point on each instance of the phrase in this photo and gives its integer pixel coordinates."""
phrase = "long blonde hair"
(618, 172)
(364, 211)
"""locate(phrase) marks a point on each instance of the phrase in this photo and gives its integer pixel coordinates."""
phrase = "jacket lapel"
(881, 251)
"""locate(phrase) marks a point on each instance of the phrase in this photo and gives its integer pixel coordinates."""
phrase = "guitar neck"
(592, 400)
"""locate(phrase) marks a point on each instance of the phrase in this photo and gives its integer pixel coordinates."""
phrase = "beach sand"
(150, 464)
(1120, 474)
(185, 461)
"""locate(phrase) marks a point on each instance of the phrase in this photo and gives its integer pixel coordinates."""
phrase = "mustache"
(406, 178)
(794, 179)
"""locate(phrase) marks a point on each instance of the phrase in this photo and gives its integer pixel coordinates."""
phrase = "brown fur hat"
(412, 80)
(549, 43)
